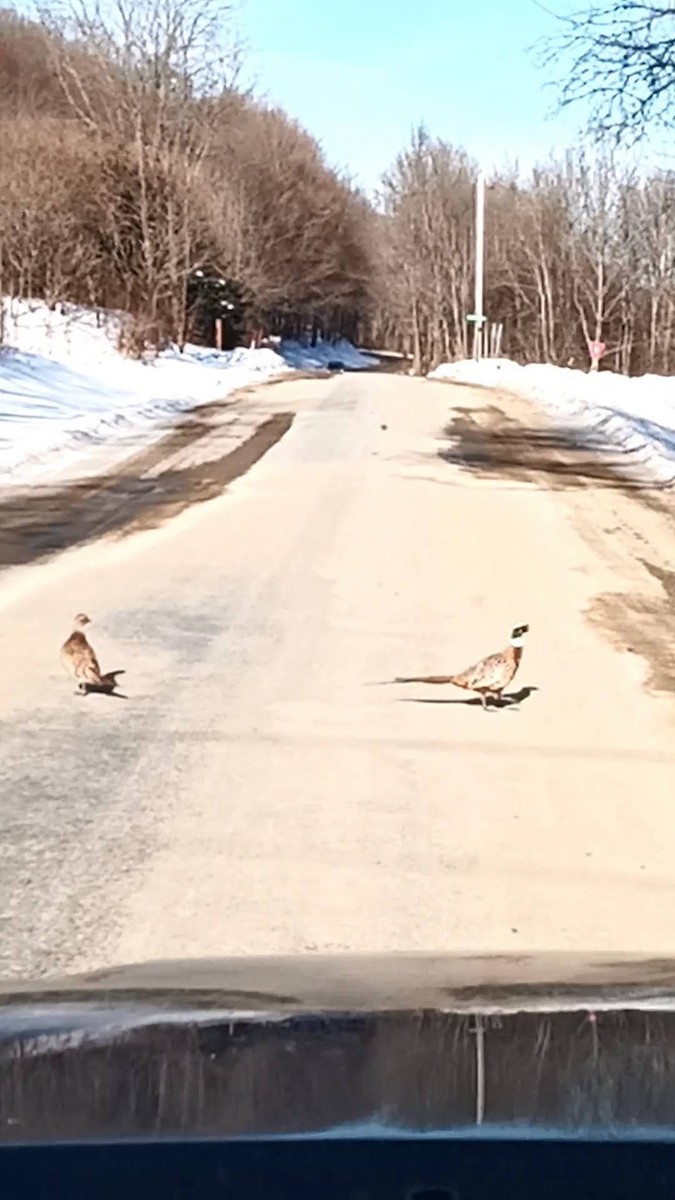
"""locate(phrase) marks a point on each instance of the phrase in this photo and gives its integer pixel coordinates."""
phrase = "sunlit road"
(255, 793)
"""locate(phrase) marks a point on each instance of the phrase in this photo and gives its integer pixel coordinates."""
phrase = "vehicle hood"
(315, 1043)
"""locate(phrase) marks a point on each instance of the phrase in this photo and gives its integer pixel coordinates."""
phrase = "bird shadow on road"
(508, 700)
(107, 686)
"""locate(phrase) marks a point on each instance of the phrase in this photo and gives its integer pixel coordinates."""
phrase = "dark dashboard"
(404, 1076)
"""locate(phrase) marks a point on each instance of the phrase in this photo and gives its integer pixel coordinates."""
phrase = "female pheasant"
(81, 662)
(488, 677)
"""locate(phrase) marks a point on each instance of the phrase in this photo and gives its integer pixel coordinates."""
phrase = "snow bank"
(66, 389)
(48, 406)
(632, 416)
(303, 356)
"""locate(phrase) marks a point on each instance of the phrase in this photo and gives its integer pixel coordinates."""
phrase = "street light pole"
(479, 266)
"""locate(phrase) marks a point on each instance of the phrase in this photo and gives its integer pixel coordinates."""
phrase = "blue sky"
(360, 73)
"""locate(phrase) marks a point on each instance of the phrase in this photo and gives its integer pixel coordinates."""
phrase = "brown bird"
(81, 662)
(488, 677)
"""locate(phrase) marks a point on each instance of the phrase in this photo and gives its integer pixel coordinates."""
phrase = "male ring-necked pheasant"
(487, 678)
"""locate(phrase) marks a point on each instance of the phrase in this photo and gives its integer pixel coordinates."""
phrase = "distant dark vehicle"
(402, 1077)
(336, 365)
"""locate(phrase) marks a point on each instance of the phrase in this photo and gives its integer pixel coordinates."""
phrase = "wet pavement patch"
(489, 442)
(139, 494)
(644, 625)
(492, 444)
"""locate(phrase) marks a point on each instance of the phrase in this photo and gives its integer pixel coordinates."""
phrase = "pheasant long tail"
(429, 679)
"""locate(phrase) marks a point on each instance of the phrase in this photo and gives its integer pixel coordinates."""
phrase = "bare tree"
(140, 73)
(528, 247)
(619, 56)
(142, 162)
(648, 215)
(28, 85)
(598, 246)
(48, 185)
(427, 200)
(581, 250)
(294, 235)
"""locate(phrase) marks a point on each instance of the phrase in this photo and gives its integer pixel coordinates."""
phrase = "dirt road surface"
(259, 791)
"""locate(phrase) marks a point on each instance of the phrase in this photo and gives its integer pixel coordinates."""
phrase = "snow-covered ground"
(634, 416)
(304, 357)
(65, 388)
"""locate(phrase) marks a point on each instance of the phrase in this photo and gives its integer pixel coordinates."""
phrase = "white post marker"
(479, 266)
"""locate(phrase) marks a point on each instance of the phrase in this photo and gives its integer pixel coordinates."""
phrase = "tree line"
(138, 173)
(132, 162)
(582, 250)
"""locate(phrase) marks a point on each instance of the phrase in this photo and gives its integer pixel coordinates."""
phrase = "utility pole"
(479, 317)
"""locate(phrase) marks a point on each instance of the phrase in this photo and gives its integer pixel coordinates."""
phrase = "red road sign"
(596, 350)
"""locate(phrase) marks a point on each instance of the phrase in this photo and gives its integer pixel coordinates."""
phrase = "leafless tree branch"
(618, 57)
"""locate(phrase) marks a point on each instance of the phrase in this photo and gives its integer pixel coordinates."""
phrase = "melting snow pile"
(303, 356)
(65, 388)
(634, 416)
